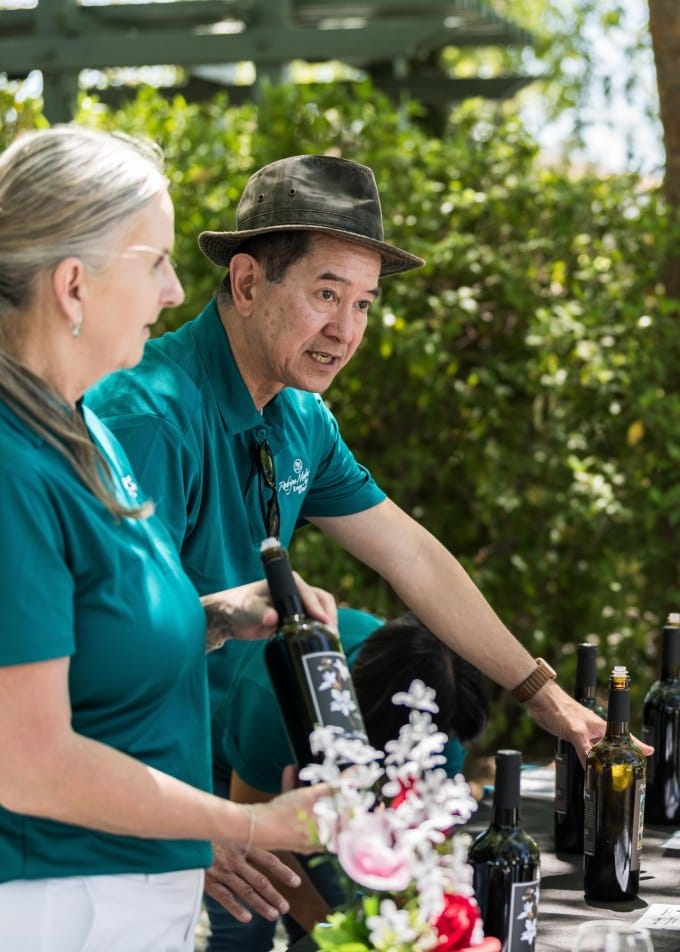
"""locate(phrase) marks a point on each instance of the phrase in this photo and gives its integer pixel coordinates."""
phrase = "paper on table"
(673, 843)
(538, 782)
(535, 782)
(661, 915)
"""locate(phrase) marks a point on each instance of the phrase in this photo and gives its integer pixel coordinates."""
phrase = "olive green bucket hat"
(318, 193)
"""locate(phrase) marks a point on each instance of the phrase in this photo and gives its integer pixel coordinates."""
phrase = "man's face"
(304, 329)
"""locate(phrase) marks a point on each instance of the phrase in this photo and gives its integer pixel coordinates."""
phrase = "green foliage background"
(519, 395)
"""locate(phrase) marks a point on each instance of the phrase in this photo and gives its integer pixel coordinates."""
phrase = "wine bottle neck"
(586, 672)
(617, 729)
(670, 653)
(507, 788)
(282, 585)
(293, 616)
(506, 816)
(618, 709)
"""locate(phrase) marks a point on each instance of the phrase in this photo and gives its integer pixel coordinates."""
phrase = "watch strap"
(541, 674)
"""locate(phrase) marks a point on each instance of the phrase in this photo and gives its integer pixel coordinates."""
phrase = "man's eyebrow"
(331, 276)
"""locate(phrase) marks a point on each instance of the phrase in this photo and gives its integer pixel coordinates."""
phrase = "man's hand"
(561, 715)
(246, 612)
(233, 881)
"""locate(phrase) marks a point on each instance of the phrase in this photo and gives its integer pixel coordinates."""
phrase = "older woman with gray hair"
(106, 818)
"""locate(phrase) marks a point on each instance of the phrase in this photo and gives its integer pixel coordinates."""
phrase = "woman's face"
(125, 298)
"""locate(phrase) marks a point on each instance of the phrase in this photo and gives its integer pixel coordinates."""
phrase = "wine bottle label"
(332, 693)
(561, 805)
(648, 737)
(589, 821)
(523, 919)
(638, 824)
(638, 813)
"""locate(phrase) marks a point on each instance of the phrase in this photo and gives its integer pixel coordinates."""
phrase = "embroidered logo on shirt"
(130, 485)
(297, 483)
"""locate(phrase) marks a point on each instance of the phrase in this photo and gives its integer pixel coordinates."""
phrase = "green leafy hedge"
(519, 395)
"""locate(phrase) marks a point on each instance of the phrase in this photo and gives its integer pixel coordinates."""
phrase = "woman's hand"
(285, 823)
(246, 612)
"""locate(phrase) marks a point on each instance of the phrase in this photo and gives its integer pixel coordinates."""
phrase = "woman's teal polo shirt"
(112, 596)
(253, 736)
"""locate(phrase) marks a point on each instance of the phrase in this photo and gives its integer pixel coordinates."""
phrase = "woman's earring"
(75, 330)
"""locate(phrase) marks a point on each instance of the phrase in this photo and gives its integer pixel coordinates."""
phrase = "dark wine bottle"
(306, 664)
(506, 864)
(614, 803)
(568, 769)
(661, 729)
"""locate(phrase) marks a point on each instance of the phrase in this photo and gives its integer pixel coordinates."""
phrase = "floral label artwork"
(389, 825)
(332, 692)
(523, 917)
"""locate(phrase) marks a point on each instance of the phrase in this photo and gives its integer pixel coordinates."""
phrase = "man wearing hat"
(226, 429)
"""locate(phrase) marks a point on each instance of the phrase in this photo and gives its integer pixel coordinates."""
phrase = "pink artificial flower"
(369, 856)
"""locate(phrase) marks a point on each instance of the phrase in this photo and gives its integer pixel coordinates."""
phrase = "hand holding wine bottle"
(307, 666)
(568, 768)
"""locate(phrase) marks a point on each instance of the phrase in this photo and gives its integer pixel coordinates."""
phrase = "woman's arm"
(51, 771)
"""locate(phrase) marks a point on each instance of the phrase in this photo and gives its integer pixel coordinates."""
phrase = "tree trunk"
(664, 25)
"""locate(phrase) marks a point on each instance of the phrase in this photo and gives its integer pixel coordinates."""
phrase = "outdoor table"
(562, 905)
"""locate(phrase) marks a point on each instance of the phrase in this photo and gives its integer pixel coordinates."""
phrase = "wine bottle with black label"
(568, 769)
(506, 864)
(661, 729)
(614, 803)
(306, 664)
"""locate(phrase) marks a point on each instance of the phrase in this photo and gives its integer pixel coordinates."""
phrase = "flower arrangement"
(389, 824)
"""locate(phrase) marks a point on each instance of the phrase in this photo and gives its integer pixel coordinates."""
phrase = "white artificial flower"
(391, 927)
(419, 807)
(418, 696)
(322, 739)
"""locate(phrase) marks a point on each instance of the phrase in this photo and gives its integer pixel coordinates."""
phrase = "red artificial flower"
(406, 788)
(456, 922)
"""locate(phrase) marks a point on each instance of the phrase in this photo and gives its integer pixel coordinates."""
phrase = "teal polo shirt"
(111, 595)
(190, 429)
(248, 721)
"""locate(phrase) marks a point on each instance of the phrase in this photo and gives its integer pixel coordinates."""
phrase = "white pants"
(123, 913)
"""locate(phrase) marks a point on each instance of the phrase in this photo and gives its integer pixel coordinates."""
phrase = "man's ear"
(245, 274)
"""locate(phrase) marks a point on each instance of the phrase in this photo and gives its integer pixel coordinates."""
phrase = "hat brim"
(221, 246)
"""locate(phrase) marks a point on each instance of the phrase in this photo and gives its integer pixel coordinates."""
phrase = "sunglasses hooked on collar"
(267, 471)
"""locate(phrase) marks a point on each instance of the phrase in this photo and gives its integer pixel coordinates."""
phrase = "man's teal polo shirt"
(191, 430)
(109, 594)
(253, 739)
